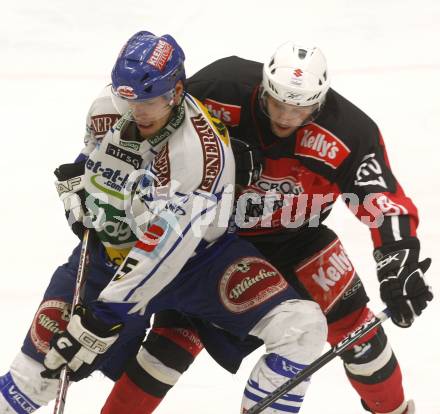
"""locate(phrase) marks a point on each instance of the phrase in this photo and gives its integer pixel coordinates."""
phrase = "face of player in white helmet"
(286, 118)
(153, 114)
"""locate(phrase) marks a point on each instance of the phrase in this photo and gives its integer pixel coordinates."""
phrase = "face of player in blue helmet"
(153, 114)
(149, 75)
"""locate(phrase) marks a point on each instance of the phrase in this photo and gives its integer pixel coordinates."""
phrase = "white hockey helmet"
(296, 75)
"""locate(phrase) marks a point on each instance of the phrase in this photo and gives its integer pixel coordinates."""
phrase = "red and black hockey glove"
(402, 284)
(80, 347)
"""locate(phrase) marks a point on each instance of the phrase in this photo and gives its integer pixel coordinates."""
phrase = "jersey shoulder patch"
(227, 113)
(212, 154)
(217, 126)
(314, 141)
(102, 114)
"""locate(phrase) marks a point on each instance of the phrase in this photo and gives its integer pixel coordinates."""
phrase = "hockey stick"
(320, 362)
(63, 384)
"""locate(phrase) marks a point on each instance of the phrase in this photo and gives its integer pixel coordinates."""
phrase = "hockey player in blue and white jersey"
(156, 191)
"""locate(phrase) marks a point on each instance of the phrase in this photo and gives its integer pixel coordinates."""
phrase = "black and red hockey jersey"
(340, 153)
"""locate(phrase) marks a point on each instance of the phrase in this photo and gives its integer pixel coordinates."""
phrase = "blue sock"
(18, 401)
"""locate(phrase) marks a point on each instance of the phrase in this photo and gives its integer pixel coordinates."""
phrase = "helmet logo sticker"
(126, 92)
(294, 96)
(297, 78)
(160, 55)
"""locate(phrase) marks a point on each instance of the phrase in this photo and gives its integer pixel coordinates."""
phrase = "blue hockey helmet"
(147, 66)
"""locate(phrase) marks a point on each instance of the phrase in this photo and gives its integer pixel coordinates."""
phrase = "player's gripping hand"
(249, 162)
(85, 339)
(70, 187)
(402, 284)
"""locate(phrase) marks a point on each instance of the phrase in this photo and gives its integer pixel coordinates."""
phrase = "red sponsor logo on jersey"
(249, 283)
(211, 152)
(100, 124)
(161, 166)
(298, 72)
(150, 239)
(227, 113)
(316, 142)
(126, 92)
(160, 55)
(51, 318)
(326, 275)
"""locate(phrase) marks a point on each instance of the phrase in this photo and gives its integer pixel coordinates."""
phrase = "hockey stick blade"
(324, 359)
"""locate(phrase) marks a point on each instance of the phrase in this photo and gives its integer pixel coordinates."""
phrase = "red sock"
(384, 397)
(127, 397)
(382, 391)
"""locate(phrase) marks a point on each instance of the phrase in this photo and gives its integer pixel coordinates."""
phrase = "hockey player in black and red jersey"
(316, 146)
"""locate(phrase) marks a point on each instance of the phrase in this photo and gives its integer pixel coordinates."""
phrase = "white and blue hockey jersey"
(154, 202)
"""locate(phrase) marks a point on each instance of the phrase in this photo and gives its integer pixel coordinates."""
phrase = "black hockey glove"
(70, 187)
(402, 286)
(249, 162)
(85, 339)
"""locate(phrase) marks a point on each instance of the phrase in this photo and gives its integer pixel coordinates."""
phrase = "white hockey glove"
(80, 346)
(402, 284)
(70, 187)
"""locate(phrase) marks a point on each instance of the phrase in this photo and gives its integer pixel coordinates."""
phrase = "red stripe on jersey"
(400, 199)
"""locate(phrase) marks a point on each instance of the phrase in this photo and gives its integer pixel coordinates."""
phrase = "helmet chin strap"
(173, 101)
(321, 105)
(315, 113)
